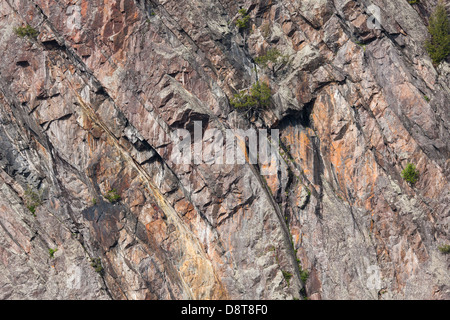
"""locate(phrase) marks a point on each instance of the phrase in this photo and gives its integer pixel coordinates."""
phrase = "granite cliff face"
(92, 103)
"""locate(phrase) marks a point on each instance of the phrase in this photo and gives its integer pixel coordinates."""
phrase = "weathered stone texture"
(93, 102)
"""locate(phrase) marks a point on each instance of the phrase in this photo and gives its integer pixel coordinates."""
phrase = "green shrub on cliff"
(438, 45)
(96, 263)
(112, 196)
(410, 174)
(273, 56)
(52, 252)
(33, 199)
(287, 276)
(304, 274)
(444, 249)
(258, 96)
(26, 32)
(242, 22)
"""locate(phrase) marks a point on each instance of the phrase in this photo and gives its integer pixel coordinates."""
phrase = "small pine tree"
(258, 97)
(26, 32)
(245, 18)
(410, 174)
(261, 93)
(438, 46)
(275, 57)
(271, 55)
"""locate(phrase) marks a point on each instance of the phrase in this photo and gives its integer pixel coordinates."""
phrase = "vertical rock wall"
(92, 104)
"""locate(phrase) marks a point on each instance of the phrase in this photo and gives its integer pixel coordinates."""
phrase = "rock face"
(92, 105)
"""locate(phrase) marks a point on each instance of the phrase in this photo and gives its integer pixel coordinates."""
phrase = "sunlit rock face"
(91, 108)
